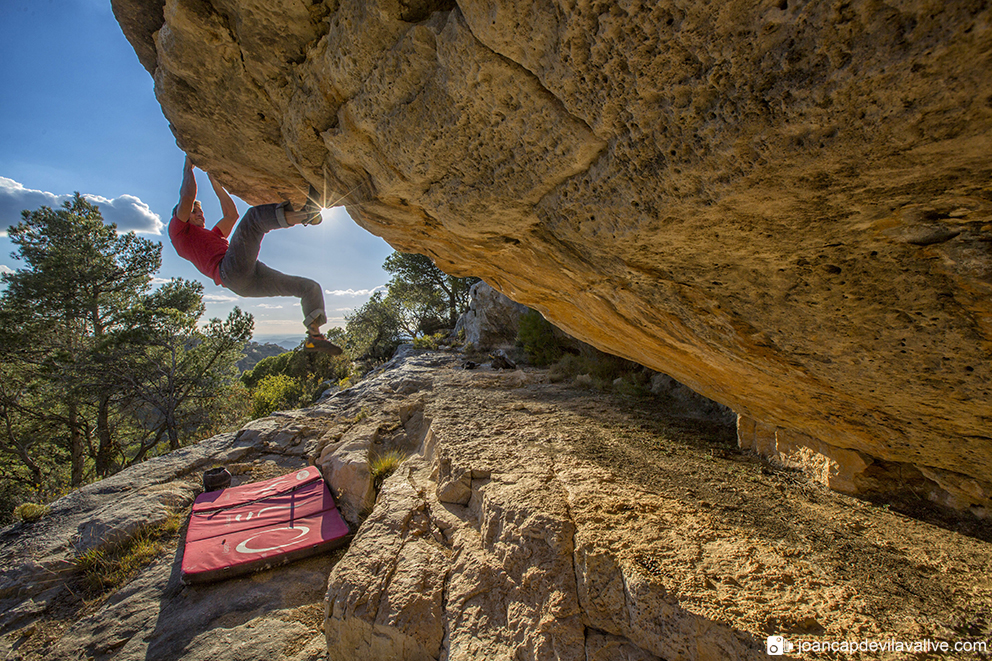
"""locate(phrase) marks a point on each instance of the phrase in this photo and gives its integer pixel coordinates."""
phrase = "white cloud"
(160, 281)
(354, 292)
(220, 298)
(127, 211)
(344, 309)
(266, 306)
(5, 269)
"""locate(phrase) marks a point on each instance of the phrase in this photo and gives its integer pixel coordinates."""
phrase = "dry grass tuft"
(110, 567)
(383, 465)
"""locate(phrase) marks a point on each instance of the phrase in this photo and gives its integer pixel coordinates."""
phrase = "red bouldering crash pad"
(242, 529)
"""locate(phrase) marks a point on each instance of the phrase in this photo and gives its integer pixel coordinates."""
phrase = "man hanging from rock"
(235, 264)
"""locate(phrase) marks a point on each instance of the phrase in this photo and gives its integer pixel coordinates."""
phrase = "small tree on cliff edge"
(177, 369)
(374, 330)
(424, 291)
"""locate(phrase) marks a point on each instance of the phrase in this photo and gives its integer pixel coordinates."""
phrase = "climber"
(235, 265)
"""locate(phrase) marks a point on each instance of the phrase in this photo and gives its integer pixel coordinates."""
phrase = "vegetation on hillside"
(294, 379)
(98, 370)
(537, 337)
(567, 358)
(419, 301)
(427, 299)
(255, 352)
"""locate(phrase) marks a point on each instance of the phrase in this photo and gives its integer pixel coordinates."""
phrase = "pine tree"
(70, 303)
(176, 369)
(426, 295)
(95, 367)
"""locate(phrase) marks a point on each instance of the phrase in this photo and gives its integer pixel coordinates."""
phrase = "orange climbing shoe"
(318, 343)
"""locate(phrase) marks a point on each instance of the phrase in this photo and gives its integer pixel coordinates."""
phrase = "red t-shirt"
(205, 248)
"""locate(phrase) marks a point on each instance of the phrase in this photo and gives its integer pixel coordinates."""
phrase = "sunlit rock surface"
(785, 205)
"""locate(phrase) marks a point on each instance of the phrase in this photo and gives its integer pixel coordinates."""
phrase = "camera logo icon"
(777, 646)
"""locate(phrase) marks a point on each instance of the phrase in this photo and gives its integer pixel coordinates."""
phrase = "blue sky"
(78, 113)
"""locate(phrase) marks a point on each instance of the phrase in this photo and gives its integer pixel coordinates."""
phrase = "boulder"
(497, 568)
(782, 205)
(491, 318)
(345, 466)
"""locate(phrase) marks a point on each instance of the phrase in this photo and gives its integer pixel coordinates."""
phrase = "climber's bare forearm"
(187, 192)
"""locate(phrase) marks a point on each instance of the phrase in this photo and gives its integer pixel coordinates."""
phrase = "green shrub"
(310, 367)
(374, 330)
(362, 414)
(536, 336)
(277, 392)
(600, 370)
(430, 341)
(30, 512)
(280, 364)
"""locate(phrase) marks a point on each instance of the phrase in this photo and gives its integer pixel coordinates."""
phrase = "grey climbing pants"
(242, 273)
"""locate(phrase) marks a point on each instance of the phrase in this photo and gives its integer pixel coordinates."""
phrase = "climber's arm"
(187, 193)
(227, 207)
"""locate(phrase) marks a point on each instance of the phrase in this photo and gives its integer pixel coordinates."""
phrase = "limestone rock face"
(785, 206)
(535, 520)
(530, 520)
(483, 548)
(491, 319)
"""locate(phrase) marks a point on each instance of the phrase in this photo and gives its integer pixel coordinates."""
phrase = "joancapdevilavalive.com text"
(779, 645)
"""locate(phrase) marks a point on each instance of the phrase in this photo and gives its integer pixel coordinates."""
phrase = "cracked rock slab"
(557, 523)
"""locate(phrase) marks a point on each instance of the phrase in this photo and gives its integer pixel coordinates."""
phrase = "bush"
(276, 392)
(310, 367)
(30, 512)
(430, 341)
(600, 370)
(536, 336)
(12, 495)
(374, 331)
(293, 379)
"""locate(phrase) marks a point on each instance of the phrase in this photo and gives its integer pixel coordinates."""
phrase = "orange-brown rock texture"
(786, 205)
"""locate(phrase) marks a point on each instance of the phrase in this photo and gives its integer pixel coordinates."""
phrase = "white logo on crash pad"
(244, 548)
(276, 486)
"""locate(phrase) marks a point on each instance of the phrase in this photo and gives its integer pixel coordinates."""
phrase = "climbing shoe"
(318, 343)
(312, 208)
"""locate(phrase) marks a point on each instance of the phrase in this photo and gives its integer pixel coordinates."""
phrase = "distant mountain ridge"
(255, 352)
(287, 342)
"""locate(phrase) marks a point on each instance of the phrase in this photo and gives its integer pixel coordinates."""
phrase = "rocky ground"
(531, 520)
